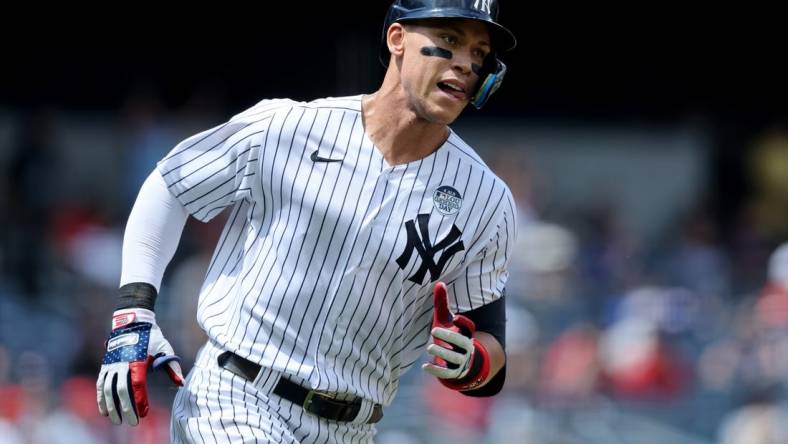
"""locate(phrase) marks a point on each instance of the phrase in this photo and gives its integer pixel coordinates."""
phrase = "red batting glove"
(460, 361)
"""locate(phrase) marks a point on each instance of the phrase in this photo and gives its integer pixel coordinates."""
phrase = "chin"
(440, 113)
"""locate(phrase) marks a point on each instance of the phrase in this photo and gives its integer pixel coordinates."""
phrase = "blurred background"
(648, 299)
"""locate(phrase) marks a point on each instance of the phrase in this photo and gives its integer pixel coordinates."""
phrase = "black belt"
(316, 402)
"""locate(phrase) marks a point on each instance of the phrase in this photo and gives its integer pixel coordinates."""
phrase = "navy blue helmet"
(493, 71)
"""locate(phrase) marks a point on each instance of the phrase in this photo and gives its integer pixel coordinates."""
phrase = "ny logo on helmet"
(426, 250)
(482, 5)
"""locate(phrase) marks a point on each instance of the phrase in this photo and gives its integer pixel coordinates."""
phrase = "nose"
(462, 62)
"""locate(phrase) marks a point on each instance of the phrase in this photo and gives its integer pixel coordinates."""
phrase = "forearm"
(152, 233)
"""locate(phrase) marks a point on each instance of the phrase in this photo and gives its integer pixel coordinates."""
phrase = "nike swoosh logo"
(316, 158)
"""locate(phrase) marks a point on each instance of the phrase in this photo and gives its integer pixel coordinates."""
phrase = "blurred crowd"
(610, 339)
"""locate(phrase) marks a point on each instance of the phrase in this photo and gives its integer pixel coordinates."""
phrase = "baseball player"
(362, 231)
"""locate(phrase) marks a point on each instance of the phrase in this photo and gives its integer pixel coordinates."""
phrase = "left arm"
(466, 358)
(468, 348)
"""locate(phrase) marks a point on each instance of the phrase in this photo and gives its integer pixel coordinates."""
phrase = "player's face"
(437, 70)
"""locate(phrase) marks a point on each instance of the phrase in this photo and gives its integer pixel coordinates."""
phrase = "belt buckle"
(311, 395)
(333, 408)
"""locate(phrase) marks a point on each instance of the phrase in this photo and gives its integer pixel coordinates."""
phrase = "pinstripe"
(267, 240)
(200, 140)
(331, 279)
(358, 297)
(298, 256)
(336, 386)
(319, 230)
(298, 218)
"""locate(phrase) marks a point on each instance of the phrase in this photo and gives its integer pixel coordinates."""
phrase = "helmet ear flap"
(490, 78)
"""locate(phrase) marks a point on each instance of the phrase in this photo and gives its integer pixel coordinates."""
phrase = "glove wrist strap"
(123, 318)
(478, 373)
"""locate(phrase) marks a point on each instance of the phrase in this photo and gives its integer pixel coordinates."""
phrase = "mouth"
(453, 89)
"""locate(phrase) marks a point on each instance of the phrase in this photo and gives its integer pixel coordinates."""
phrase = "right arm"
(201, 176)
(136, 342)
(152, 233)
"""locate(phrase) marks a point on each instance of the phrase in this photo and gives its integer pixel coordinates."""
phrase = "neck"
(395, 128)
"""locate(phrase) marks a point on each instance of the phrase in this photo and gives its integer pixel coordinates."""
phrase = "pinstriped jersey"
(326, 265)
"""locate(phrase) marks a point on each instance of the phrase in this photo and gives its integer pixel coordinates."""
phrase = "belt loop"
(364, 413)
(266, 380)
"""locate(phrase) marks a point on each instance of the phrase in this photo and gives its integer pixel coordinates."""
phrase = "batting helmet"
(486, 11)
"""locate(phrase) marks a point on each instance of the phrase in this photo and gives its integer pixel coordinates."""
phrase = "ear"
(395, 39)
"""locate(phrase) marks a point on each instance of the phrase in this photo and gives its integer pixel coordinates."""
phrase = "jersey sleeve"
(484, 277)
(218, 167)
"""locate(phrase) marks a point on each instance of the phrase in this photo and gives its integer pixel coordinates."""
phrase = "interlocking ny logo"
(426, 250)
(482, 5)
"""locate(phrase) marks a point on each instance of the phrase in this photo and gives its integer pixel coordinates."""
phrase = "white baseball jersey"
(326, 266)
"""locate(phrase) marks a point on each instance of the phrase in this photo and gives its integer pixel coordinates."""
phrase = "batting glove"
(460, 361)
(135, 344)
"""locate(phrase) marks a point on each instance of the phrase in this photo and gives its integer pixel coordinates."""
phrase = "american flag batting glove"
(460, 361)
(135, 344)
